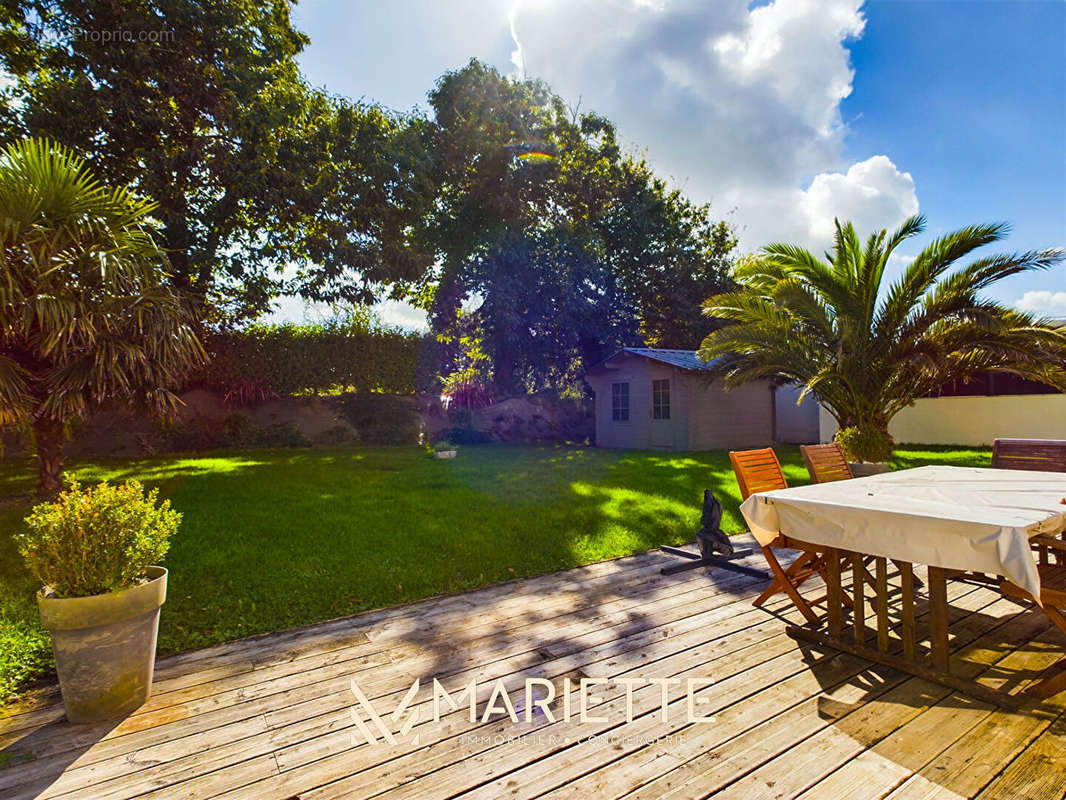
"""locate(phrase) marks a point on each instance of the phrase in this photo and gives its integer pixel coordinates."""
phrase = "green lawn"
(275, 539)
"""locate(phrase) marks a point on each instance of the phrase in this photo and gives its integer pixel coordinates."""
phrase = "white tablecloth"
(953, 517)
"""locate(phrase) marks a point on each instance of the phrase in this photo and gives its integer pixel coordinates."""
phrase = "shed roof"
(684, 359)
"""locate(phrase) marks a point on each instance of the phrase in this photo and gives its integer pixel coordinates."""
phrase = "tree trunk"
(48, 434)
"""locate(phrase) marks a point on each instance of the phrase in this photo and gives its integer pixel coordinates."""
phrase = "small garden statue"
(711, 538)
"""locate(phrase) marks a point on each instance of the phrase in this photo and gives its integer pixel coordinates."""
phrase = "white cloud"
(391, 312)
(872, 194)
(1043, 303)
(740, 106)
(395, 312)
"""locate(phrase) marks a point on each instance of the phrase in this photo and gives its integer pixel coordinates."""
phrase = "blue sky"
(781, 114)
(970, 98)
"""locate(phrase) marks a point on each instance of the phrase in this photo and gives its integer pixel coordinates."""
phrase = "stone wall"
(205, 422)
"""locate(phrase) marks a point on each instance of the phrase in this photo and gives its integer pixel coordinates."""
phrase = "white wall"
(973, 420)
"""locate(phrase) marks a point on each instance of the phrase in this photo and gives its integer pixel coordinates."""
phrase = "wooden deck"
(271, 717)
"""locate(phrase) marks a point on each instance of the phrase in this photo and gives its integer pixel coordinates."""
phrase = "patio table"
(952, 519)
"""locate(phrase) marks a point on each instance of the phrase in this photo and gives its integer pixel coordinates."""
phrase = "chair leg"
(1055, 616)
(782, 583)
(793, 574)
(1049, 686)
(1056, 683)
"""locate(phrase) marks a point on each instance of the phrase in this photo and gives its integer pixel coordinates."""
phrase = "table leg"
(938, 618)
(881, 601)
(938, 629)
(858, 591)
(907, 633)
(834, 600)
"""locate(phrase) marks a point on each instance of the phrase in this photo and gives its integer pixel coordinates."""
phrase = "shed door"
(662, 423)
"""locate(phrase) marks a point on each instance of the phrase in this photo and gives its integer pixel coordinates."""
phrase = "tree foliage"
(541, 215)
(85, 315)
(551, 308)
(316, 358)
(868, 350)
(265, 186)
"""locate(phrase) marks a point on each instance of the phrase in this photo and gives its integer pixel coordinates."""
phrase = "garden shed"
(658, 399)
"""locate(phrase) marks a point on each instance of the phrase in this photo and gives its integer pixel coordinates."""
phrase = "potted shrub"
(96, 552)
(867, 449)
(444, 449)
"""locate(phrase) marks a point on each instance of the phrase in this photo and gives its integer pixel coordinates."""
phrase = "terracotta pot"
(104, 647)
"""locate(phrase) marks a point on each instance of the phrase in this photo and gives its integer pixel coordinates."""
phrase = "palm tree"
(868, 351)
(84, 314)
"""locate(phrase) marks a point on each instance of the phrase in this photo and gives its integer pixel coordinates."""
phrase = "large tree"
(85, 314)
(264, 185)
(868, 350)
(512, 161)
(551, 309)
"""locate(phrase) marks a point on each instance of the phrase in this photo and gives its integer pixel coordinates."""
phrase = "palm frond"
(866, 352)
(82, 290)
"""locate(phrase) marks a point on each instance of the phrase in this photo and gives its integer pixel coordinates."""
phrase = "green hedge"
(320, 358)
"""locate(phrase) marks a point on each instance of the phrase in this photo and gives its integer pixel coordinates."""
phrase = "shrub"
(338, 434)
(381, 418)
(462, 430)
(96, 540)
(246, 392)
(865, 444)
(236, 431)
(467, 394)
(192, 435)
(251, 364)
(464, 435)
(282, 434)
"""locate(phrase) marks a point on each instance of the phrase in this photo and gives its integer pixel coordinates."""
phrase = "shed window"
(660, 399)
(620, 402)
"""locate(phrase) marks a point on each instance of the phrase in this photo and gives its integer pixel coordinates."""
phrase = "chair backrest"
(825, 462)
(757, 471)
(1048, 455)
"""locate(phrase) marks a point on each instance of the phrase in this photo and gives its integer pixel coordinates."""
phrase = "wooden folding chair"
(1044, 455)
(825, 462)
(760, 471)
(1052, 603)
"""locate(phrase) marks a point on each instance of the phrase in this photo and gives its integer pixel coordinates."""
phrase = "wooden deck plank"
(513, 761)
(805, 764)
(670, 610)
(751, 678)
(955, 732)
(340, 739)
(614, 779)
(269, 717)
(453, 612)
(1037, 773)
(181, 706)
(759, 763)
(547, 773)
